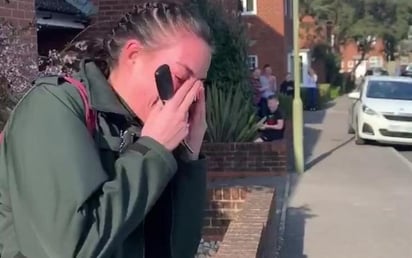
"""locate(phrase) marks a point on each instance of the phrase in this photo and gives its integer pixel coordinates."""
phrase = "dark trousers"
(312, 98)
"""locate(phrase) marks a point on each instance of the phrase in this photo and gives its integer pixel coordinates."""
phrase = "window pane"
(249, 6)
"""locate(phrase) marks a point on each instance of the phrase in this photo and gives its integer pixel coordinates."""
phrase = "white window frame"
(255, 59)
(253, 12)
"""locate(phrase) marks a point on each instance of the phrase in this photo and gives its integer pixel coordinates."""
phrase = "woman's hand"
(197, 122)
(168, 124)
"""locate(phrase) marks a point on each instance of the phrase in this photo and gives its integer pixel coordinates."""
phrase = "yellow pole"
(297, 100)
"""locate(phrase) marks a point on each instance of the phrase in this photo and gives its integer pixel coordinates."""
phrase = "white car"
(382, 110)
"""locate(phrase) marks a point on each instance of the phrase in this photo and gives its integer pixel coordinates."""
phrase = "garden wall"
(226, 160)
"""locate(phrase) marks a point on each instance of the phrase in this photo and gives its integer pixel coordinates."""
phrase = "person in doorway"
(312, 87)
(127, 189)
(273, 126)
(287, 86)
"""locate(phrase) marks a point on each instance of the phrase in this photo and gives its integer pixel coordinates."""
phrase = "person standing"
(287, 86)
(268, 88)
(312, 104)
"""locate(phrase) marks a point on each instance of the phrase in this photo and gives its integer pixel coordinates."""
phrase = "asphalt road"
(405, 151)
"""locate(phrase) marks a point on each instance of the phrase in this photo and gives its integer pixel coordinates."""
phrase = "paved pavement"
(353, 201)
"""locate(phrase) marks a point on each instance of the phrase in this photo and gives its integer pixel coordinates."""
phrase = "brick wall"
(20, 12)
(267, 31)
(253, 233)
(246, 159)
(224, 203)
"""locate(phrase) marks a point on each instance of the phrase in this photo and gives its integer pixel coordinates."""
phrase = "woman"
(64, 193)
(312, 90)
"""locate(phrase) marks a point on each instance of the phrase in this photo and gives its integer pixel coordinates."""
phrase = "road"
(405, 151)
(353, 201)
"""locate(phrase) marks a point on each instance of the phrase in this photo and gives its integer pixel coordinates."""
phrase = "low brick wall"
(246, 159)
(253, 233)
(224, 203)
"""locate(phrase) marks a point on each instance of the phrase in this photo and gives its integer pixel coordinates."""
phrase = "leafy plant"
(229, 118)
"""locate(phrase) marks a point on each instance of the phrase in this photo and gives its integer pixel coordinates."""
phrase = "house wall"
(349, 53)
(267, 31)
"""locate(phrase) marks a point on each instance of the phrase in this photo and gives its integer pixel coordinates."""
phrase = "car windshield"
(389, 90)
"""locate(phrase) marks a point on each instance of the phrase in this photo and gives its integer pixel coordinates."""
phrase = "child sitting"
(273, 127)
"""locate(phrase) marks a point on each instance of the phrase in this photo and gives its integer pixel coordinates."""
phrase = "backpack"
(90, 118)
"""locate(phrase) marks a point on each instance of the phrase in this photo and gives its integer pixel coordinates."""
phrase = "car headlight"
(368, 110)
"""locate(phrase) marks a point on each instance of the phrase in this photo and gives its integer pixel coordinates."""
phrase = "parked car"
(407, 71)
(376, 71)
(382, 110)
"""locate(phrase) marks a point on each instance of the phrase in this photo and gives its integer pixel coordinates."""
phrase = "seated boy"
(273, 126)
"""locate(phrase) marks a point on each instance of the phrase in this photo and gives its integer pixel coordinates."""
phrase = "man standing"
(287, 86)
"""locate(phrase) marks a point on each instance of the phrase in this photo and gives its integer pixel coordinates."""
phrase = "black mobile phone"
(164, 82)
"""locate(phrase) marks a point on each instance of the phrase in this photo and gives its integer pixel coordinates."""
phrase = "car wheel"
(358, 139)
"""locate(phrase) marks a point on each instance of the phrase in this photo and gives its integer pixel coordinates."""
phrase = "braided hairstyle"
(147, 22)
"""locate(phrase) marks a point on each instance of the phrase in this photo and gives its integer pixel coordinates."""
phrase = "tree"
(364, 21)
(229, 68)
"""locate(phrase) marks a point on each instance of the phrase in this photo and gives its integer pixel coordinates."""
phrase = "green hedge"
(326, 94)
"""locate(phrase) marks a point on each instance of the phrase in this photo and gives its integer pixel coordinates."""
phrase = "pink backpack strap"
(90, 115)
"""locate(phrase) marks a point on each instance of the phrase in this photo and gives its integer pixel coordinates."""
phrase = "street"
(353, 201)
(405, 151)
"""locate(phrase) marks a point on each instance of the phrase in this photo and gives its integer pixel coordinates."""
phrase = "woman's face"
(187, 56)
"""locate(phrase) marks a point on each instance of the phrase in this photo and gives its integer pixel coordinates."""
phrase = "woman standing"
(127, 190)
(312, 90)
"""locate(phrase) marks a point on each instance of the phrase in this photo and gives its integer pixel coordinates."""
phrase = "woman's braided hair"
(147, 22)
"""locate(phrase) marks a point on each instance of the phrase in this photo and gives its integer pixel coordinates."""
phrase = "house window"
(252, 62)
(249, 6)
(350, 64)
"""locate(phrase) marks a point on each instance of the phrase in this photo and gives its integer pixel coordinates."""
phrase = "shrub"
(229, 61)
(229, 119)
(18, 66)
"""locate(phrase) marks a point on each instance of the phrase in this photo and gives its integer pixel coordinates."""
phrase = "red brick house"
(269, 24)
(350, 57)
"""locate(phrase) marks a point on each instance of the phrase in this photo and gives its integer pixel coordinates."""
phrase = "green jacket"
(65, 194)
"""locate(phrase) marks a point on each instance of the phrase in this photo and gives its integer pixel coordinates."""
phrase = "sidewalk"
(353, 201)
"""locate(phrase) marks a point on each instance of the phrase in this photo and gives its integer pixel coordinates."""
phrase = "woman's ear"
(130, 51)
